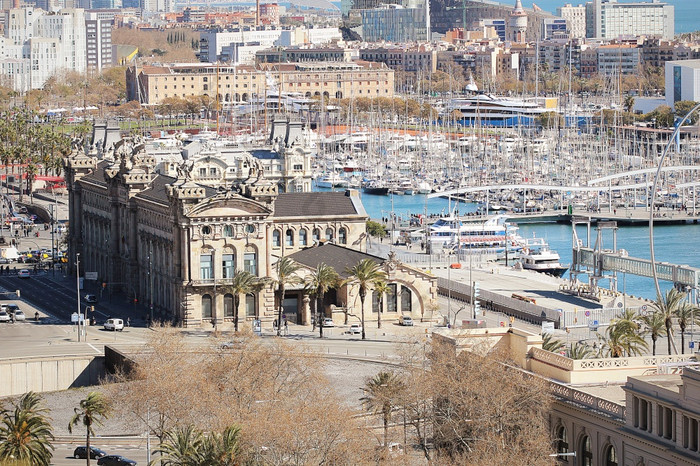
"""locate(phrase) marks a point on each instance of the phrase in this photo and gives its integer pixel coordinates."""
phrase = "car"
(90, 298)
(81, 453)
(355, 329)
(24, 273)
(19, 315)
(4, 316)
(406, 321)
(114, 325)
(115, 460)
(328, 322)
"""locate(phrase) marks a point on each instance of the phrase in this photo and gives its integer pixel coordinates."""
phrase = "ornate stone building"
(173, 242)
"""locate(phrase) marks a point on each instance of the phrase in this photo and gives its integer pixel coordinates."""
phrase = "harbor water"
(676, 244)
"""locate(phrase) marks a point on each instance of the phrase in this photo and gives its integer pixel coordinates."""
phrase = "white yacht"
(536, 255)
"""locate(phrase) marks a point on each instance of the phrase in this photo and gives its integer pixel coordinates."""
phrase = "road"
(133, 449)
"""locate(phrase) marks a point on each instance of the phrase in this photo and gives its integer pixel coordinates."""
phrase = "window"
(289, 237)
(206, 230)
(228, 263)
(562, 443)
(586, 452)
(342, 236)
(228, 231)
(250, 305)
(206, 267)
(391, 298)
(250, 263)
(228, 305)
(405, 299)
(376, 302)
(329, 234)
(212, 171)
(276, 241)
(316, 235)
(610, 456)
(206, 307)
(202, 172)
(302, 237)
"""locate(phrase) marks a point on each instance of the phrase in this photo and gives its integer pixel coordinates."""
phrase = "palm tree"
(25, 432)
(549, 343)
(686, 314)
(668, 306)
(243, 283)
(321, 280)
(381, 288)
(92, 410)
(286, 275)
(655, 325)
(365, 273)
(181, 447)
(619, 341)
(629, 319)
(222, 449)
(580, 351)
(381, 392)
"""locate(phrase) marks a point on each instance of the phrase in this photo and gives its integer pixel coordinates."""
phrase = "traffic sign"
(588, 313)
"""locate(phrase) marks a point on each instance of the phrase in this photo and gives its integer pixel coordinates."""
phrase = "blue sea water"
(676, 244)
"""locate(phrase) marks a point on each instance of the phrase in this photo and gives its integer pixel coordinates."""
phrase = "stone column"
(305, 310)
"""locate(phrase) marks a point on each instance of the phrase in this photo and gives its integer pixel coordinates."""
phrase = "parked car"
(114, 325)
(90, 298)
(115, 460)
(328, 322)
(4, 316)
(24, 273)
(19, 315)
(355, 329)
(406, 321)
(81, 453)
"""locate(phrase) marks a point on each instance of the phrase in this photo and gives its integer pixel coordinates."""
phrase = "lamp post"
(53, 247)
(77, 286)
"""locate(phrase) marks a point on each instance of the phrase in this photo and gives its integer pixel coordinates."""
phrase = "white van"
(114, 325)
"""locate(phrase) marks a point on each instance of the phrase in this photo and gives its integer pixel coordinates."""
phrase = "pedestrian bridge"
(607, 260)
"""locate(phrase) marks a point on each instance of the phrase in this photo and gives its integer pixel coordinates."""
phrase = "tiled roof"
(337, 257)
(314, 205)
(97, 176)
(156, 191)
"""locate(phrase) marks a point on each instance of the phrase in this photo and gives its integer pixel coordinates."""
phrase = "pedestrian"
(36, 316)
(286, 327)
(128, 322)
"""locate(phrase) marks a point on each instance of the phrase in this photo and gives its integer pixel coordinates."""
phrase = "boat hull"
(555, 271)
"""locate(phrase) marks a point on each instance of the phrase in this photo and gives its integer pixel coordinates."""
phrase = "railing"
(610, 408)
(495, 302)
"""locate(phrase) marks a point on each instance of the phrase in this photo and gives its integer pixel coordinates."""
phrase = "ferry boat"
(536, 255)
(451, 232)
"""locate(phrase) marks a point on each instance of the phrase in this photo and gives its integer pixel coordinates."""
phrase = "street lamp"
(77, 285)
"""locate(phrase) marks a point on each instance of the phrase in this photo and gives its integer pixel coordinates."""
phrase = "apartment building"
(610, 19)
(617, 59)
(411, 61)
(575, 17)
(98, 36)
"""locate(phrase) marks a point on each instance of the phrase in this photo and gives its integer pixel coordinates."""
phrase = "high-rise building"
(611, 19)
(98, 35)
(518, 23)
(575, 17)
(396, 23)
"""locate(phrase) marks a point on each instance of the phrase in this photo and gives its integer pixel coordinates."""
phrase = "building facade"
(611, 19)
(682, 81)
(618, 59)
(395, 23)
(177, 244)
(575, 17)
(98, 36)
(151, 84)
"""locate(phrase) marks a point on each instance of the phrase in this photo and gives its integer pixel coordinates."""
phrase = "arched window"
(316, 235)
(342, 236)
(329, 234)
(276, 241)
(391, 298)
(289, 237)
(250, 260)
(206, 307)
(302, 237)
(405, 299)
(228, 231)
(228, 305)
(250, 305)
(586, 451)
(610, 456)
(562, 443)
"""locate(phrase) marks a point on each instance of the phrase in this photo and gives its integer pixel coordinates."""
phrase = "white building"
(618, 59)
(612, 19)
(239, 46)
(98, 34)
(575, 17)
(45, 42)
(682, 81)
